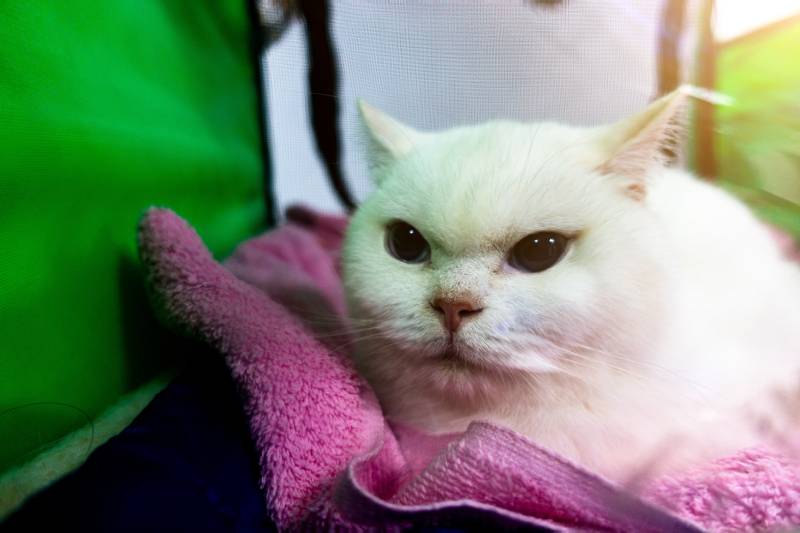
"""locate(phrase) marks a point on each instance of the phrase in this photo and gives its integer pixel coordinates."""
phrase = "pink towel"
(328, 458)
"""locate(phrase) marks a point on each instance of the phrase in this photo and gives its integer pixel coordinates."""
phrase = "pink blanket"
(328, 458)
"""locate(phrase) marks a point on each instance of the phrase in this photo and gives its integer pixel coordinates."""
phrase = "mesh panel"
(440, 64)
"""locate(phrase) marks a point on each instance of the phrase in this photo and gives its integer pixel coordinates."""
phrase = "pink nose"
(455, 311)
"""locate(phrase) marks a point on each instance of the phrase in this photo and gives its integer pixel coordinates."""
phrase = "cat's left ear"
(632, 147)
(390, 139)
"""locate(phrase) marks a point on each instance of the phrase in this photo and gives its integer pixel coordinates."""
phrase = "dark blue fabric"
(185, 464)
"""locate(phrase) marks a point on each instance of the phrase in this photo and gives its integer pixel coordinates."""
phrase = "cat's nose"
(455, 311)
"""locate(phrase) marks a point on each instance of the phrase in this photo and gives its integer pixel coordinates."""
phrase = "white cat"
(563, 282)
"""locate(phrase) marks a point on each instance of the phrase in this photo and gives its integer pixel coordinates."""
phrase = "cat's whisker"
(345, 332)
(355, 340)
(677, 416)
(329, 95)
(637, 362)
(595, 362)
(342, 323)
(677, 396)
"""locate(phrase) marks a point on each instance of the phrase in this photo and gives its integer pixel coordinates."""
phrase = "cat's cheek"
(501, 328)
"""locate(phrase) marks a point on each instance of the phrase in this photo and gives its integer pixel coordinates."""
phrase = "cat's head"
(506, 248)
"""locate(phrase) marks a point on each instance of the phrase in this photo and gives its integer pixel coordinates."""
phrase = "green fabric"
(105, 109)
(758, 137)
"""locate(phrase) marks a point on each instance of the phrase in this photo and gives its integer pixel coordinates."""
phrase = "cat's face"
(500, 248)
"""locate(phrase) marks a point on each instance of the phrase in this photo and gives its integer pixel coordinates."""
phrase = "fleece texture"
(275, 311)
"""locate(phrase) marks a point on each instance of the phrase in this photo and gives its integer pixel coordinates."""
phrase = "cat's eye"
(406, 243)
(538, 251)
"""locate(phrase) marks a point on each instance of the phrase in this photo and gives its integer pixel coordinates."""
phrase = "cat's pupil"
(538, 251)
(406, 243)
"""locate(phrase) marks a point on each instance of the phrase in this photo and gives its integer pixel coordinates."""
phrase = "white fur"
(666, 321)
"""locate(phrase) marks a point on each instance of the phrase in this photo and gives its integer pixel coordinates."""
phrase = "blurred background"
(756, 138)
(230, 111)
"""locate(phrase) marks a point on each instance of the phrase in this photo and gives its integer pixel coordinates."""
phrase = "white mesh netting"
(436, 64)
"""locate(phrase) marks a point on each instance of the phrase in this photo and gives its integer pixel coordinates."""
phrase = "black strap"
(323, 83)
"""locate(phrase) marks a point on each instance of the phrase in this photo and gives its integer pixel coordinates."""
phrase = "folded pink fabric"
(329, 460)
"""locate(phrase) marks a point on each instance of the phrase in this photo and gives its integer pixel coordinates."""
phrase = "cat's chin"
(455, 356)
(460, 356)
(462, 380)
(456, 372)
(450, 370)
(454, 360)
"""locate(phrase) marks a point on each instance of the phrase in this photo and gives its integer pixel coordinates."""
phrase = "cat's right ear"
(389, 138)
(633, 146)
